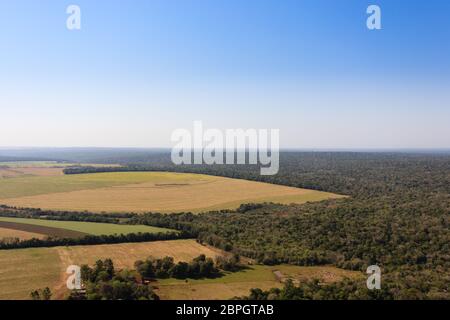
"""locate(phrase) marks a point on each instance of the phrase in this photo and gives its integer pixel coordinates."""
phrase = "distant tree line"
(84, 216)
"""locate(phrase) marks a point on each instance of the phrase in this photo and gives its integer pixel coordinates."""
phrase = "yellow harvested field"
(22, 235)
(125, 254)
(45, 172)
(24, 270)
(155, 192)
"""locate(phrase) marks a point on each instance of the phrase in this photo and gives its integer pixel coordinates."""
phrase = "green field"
(92, 228)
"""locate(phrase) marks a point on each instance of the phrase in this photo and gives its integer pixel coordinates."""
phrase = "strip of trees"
(92, 240)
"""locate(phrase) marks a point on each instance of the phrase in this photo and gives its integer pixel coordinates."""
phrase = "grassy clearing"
(125, 254)
(146, 191)
(240, 283)
(87, 227)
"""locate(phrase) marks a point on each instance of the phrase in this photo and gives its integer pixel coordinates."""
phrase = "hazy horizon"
(168, 149)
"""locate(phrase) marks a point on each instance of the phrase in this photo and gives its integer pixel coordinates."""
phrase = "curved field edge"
(77, 228)
(154, 192)
(39, 185)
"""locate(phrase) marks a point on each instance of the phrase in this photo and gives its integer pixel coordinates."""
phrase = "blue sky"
(137, 70)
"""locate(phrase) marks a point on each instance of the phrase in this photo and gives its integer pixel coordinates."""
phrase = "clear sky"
(137, 70)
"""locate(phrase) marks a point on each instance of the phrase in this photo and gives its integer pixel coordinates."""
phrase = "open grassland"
(240, 283)
(146, 191)
(76, 227)
(24, 270)
(22, 235)
(125, 254)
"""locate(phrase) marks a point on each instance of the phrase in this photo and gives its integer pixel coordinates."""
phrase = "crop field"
(24, 270)
(239, 283)
(43, 231)
(146, 191)
(73, 229)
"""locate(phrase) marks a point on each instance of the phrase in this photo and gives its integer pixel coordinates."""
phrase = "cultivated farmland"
(22, 235)
(146, 191)
(74, 229)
